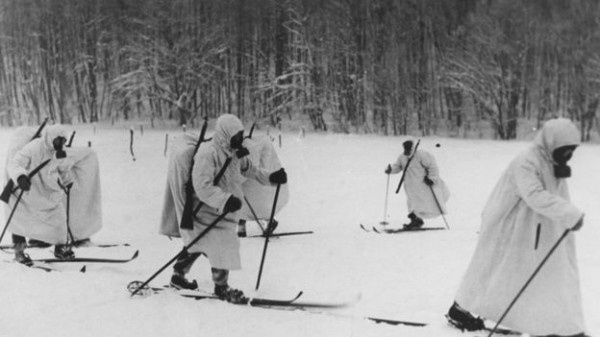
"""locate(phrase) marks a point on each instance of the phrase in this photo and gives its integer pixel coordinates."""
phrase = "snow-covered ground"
(336, 182)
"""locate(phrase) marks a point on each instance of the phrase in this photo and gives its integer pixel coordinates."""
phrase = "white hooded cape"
(221, 244)
(509, 250)
(41, 213)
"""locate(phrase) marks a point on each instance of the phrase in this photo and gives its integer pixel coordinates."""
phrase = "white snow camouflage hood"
(52, 132)
(227, 126)
(554, 134)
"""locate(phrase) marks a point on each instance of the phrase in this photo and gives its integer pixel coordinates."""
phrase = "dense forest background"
(372, 66)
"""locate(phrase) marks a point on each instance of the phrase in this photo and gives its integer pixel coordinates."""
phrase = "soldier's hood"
(556, 133)
(414, 145)
(53, 131)
(226, 127)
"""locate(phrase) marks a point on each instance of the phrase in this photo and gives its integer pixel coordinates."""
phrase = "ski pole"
(406, 167)
(262, 261)
(185, 248)
(387, 192)
(439, 206)
(254, 214)
(30, 175)
(67, 190)
(11, 214)
(564, 235)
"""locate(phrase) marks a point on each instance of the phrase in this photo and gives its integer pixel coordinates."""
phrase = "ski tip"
(135, 255)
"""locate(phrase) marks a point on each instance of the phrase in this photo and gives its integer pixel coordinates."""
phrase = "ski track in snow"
(336, 183)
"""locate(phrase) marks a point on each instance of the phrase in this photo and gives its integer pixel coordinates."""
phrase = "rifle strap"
(221, 172)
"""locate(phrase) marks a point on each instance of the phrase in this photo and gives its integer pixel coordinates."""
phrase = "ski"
(402, 230)
(364, 228)
(398, 230)
(10, 247)
(102, 245)
(395, 322)
(500, 331)
(47, 267)
(89, 259)
(291, 303)
(280, 234)
(201, 295)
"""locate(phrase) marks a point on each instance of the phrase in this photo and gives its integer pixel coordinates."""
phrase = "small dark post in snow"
(166, 143)
(279, 135)
(89, 143)
(131, 143)
(141, 129)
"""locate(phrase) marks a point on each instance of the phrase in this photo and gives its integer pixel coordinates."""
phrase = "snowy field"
(336, 183)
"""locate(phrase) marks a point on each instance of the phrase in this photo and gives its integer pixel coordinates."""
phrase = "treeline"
(384, 66)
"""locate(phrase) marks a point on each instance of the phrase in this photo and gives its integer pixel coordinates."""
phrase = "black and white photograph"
(300, 168)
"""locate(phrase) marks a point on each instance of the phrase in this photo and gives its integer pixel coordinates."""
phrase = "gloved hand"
(278, 177)
(428, 181)
(388, 169)
(24, 182)
(578, 225)
(233, 204)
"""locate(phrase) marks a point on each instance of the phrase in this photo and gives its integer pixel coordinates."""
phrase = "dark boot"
(223, 291)
(178, 281)
(463, 319)
(271, 227)
(415, 222)
(64, 252)
(226, 293)
(20, 255)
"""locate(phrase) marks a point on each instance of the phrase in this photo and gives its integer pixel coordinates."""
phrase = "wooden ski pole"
(262, 261)
(563, 236)
(439, 206)
(254, 215)
(387, 192)
(11, 214)
(196, 239)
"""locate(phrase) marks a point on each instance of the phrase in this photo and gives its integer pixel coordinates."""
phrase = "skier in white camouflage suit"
(421, 178)
(221, 244)
(526, 214)
(41, 213)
